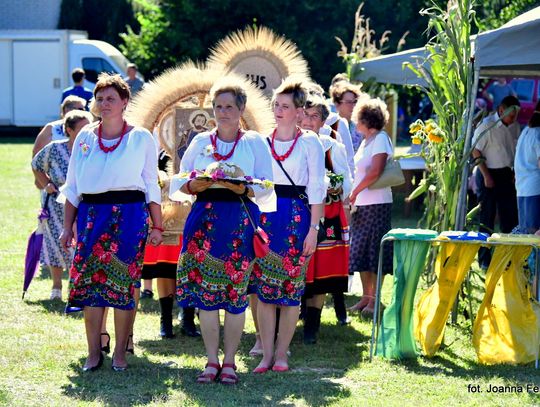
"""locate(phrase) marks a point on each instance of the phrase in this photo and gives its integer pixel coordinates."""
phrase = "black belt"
(115, 197)
(289, 191)
(218, 194)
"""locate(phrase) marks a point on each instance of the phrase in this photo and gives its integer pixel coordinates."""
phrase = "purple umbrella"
(33, 249)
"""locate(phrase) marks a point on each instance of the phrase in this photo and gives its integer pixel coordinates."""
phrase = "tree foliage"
(494, 13)
(172, 31)
(102, 19)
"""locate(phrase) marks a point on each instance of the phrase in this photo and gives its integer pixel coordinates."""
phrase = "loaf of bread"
(229, 170)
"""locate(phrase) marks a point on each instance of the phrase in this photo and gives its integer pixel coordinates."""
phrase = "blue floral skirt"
(217, 254)
(109, 255)
(280, 277)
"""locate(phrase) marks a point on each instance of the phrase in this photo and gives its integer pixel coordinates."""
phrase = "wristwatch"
(315, 226)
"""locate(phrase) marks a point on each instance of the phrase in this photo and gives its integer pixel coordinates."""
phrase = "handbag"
(261, 241)
(321, 235)
(391, 176)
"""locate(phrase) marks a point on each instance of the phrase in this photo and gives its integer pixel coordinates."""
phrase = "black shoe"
(96, 367)
(107, 347)
(188, 323)
(339, 308)
(147, 294)
(128, 349)
(311, 325)
(303, 305)
(166, 325)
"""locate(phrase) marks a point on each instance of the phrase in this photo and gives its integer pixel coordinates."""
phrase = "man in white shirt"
(494, 149)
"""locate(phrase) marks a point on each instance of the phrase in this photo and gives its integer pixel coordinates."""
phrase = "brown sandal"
(207, 378)
(230, 378)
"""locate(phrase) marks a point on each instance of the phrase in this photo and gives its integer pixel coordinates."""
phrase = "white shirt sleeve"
(69, 191)
(187, 164)
(265, 198)
(341, 167)
(344, 137)
(314, 153)
(382, 145)
(150, 171)
(482, 138)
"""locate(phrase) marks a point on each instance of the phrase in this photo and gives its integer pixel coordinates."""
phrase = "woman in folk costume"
(298, 167)
(329, 266)
(217, 250)
(111, 190)
(161, 262)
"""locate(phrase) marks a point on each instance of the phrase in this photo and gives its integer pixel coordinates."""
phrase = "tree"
(102, 19)
(172, 31)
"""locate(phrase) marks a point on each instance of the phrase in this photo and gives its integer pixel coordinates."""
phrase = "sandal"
(128, 349)
(230, 378)
(207, 378)
(107, 347)
(359, 306)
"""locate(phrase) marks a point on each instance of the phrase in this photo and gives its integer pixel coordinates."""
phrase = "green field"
(42, 350)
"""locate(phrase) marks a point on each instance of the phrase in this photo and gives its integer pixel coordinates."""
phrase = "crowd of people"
(319, 219)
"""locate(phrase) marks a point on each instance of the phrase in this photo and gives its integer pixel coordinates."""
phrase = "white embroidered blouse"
(250, 154)
(338, 154)
(305, 165)
(132, 166)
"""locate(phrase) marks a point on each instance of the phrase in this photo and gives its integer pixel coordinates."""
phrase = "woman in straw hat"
(298, 167)
(217, 248)
(111, 190)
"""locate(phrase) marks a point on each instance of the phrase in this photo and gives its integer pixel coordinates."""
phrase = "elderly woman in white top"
(217, 249)
(298, 168)
(372, 219)
(50, 166)
(111, 189)
(329, 266)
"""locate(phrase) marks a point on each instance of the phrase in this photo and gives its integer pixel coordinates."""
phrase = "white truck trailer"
(36, 65)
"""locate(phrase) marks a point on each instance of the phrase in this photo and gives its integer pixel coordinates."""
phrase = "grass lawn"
(42, 350)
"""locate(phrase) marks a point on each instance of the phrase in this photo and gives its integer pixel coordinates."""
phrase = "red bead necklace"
(289, 151)
(218, 156)
(115, 145)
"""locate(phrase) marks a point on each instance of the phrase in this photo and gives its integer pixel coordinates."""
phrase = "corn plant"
(448, 74)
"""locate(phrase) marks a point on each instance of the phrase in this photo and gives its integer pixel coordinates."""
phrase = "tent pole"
(461, 210)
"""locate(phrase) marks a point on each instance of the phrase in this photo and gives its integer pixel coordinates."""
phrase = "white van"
(36, 65)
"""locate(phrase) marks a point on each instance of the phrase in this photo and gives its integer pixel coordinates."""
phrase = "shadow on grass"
(145, 382)
(51, 306)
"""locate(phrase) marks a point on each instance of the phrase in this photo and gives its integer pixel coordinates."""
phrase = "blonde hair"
(372, 112)
(233, 85)
(295, 87)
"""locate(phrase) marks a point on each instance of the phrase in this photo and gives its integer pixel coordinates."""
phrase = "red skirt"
(328, 268)
(161, 261)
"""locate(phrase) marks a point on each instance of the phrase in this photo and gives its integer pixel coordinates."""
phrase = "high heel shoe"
(117, 368)
(107, 347)
(128, 349)
(96, 367)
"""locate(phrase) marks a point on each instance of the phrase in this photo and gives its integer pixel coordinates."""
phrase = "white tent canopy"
(511, 50)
